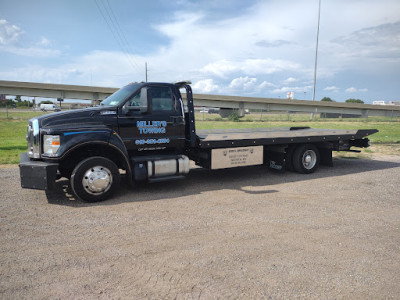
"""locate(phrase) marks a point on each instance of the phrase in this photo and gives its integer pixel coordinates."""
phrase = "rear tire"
(306, 159)
(95, 179)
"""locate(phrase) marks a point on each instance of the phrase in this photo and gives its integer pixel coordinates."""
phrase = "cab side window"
(162, 98)
(135, 100)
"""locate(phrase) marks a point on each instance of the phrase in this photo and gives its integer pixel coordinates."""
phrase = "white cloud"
(290, 80)
(354, 90)
(351, 90)
(297, 89)
(229, 47)
(9, 34)
(266, 84)
(205, 86)
(234, 47)
(331, 88)
(11, 41)
(221, 68)
(243, 83)
(32, 51)
(272, 44)
(224, 68)
(367, 49)
(180, 22)
(369, 13)
(44, 42)
(88, 69)
(248, 86)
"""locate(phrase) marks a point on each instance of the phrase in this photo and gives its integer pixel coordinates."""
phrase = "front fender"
(72, 139)
(116, 141)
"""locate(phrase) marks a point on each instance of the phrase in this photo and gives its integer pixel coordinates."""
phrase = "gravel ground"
(245, 233)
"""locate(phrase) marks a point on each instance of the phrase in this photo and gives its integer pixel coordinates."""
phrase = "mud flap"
(326, 157)
(275, 158)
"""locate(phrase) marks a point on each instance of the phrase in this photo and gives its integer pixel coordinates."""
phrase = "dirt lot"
(245, 233)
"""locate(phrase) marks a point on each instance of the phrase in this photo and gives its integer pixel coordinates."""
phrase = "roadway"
(244, 233)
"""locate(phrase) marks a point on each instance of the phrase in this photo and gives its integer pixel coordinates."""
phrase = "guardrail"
(96, 94)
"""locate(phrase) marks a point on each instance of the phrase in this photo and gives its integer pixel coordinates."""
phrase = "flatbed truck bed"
(275, 136)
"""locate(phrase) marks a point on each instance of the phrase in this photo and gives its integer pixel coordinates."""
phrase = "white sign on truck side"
(236, 157)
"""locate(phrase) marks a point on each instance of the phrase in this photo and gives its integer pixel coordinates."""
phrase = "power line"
(117, 33)
(119, 29)
(114, 31)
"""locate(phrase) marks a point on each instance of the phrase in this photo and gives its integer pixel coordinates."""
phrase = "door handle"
(177, 120)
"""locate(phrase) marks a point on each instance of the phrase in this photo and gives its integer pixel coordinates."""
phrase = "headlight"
(51, 143)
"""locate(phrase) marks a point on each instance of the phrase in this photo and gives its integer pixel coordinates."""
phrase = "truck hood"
(81, 117)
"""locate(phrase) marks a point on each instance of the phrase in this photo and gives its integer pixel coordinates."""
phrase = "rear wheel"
(306, 159)
(95, 179)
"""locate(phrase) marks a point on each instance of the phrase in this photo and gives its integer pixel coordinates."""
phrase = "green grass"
(13, 129)
(12, 135)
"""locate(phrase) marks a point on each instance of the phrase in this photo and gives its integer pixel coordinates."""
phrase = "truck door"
(162, 127)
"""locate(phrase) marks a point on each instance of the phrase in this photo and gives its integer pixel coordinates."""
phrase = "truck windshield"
(120, 95)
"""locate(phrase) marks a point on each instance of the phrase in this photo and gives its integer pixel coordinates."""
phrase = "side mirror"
(145, 103)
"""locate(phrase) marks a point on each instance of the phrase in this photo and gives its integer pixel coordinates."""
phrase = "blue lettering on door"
(151, 127)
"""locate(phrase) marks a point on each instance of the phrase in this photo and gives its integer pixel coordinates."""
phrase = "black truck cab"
(140, 129)
(145, 130)
(151, 118)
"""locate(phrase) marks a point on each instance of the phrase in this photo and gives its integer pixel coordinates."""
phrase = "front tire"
(306, 159)
(95, 179)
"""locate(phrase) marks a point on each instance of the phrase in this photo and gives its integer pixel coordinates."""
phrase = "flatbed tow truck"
(146, 131)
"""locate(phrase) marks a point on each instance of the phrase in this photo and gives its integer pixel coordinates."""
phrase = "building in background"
(290, 95)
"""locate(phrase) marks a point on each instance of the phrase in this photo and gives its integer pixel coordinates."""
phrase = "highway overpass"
(96, 94)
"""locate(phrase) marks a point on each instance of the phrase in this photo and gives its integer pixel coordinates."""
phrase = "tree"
(24, 103)
(18, 99)
(234, 116)
(327, 99)
(351, 100)
(7, 102)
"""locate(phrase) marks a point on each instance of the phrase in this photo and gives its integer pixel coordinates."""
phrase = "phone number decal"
(152, 141)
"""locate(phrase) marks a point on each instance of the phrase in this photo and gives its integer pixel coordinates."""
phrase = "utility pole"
(316, 55)
(316, 51)
(145, 67)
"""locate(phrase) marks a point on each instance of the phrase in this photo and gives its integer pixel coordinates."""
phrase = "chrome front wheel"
(95, 179)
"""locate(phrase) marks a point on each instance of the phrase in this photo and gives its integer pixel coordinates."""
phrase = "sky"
(243, 48)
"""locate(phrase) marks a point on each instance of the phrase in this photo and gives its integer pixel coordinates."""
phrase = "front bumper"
(37, 175)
